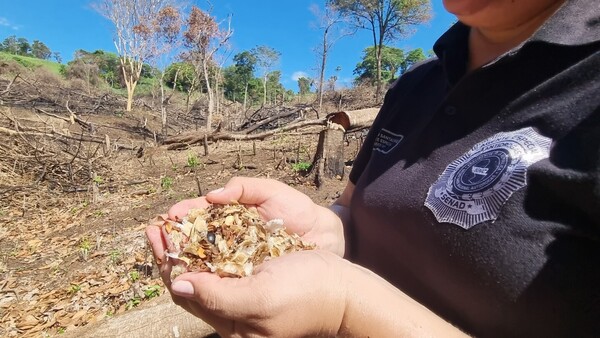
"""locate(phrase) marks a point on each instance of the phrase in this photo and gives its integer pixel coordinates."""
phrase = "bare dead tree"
(164, 39)
(327, 19)
(204, 38)
(132, 35)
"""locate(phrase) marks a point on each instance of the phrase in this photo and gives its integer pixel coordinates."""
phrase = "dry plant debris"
(230, 240)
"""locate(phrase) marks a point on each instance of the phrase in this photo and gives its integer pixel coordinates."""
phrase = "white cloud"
(6, 23)
(298, 75)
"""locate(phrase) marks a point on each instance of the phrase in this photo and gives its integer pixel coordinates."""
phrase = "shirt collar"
(576, 22)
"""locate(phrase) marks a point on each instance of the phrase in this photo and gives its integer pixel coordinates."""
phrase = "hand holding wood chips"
(230, 240)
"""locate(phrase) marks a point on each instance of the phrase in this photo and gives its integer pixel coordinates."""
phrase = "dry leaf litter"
(230, 240)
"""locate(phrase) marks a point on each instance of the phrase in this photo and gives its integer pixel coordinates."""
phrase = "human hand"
(298, 294)
(274, 199)
(306, 293)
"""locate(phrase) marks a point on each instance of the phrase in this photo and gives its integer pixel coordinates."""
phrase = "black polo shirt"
(478, 194)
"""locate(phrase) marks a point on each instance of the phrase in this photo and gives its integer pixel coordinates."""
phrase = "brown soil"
(66, 261)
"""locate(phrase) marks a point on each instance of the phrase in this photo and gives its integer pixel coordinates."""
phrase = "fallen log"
(194, 137)
(268, 120)
(353, 119)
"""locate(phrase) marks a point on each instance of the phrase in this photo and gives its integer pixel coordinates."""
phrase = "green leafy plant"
(301, 166)
(98, 179)
(84, 248)
(134, 275)
(61, 330)
(166, 182)
(152, 291)
(115, 256)
(74, 288)
(135, 301)
(193, 161)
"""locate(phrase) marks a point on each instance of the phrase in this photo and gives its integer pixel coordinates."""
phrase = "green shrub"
(193, 161)
(166, 182)
(301, 166)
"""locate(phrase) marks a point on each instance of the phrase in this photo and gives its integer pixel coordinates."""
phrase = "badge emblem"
(474, 187)
(386, 141)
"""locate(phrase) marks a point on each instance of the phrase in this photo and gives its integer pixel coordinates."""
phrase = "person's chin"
(466, 8)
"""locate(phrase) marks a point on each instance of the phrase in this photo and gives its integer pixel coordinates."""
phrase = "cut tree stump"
(329, 158)
(157, 319)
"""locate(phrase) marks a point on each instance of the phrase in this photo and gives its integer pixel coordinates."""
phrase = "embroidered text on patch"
(386, 141)
(474, 187)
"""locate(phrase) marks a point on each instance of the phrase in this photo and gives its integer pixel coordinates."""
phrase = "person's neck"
(486, 44)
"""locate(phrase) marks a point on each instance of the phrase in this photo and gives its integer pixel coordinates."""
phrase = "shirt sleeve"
(389, 107)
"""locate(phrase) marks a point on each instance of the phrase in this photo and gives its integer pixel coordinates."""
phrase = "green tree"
(274, 86)
(40, 50)
(304, 86)
(391, 61)
(10, 45)
(394, 60)
(182, 76)
(106, 65)
(245, 64)
(24, 48)
(388, 20)
(412, 57)
(266, 58)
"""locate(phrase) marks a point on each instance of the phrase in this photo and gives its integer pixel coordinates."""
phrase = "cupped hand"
(296, 295)
(274, 199)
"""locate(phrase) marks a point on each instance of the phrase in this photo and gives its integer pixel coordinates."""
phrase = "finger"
(232, 298)
(180, 209)
(245, 190)
(157, 243)
(159, 247)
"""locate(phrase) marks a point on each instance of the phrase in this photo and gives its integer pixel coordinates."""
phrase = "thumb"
(245, 190)
(224, 297)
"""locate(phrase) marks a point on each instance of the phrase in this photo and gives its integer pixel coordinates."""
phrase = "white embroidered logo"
(474, 187)
(386, 141)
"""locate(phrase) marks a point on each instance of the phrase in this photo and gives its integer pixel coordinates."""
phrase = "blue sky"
(285, 25)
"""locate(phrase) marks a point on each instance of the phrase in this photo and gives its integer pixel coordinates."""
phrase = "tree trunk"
(130, 90)
(211, 99)
(163, 108)
(322, 72)
(265, 90)
(245, 96)
(130, 79)
(329, 158)
(379, 84)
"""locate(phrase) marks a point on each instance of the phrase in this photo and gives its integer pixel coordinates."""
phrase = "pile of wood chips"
(230, 240)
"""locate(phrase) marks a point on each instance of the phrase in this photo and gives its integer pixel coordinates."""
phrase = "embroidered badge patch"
(386, 141)
(474, 187)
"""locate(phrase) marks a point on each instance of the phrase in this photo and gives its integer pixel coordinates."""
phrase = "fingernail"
(183, 288)
(216, 191)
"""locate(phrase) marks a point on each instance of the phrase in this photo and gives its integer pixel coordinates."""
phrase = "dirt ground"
(69, 258)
